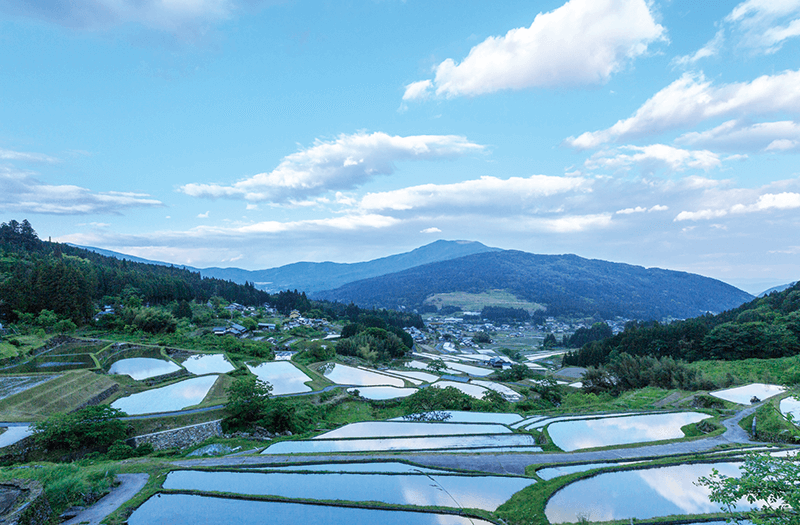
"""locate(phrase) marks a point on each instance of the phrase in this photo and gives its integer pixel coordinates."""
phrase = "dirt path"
(130, 485)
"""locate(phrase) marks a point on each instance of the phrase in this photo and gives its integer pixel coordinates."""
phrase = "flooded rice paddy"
(475, 492)
(143, 367)
(380, 393)
(10, 385)
(202, 364)
(457, 416)
(791, 405)
(373, 429)
(743, 394)
(638, 494)
(182, 509)
(316, 446)
(170, 398)
(469, 389)
(284, 377)
(347, 375)
(590, 433)
(384, 467)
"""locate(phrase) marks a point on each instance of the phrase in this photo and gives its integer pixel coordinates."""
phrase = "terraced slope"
(65, 393)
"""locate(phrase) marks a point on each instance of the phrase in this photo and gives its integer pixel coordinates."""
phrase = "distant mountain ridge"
(567, 284)
(313, 277)
(779, 288)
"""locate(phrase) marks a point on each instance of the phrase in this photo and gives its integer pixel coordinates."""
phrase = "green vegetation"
(767, 327)
(771, 481)
(63, 394)
(475, 302)
(90, 429)
(626, 372)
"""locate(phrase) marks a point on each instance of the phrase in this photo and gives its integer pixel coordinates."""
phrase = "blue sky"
(255, 134)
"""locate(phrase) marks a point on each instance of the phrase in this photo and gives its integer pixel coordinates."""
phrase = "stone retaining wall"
(31, 506)
(180, 437)
(99, 398)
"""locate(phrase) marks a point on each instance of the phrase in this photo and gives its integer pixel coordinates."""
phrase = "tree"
(771, 482)
(437, 366)
(248, 402)
(90, 428)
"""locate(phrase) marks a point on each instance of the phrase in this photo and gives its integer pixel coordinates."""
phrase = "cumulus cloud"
(764, 202)
(653, 157)
(766, 24)
(582, 42)
(21, 192)
(175, 16)
(7, 154)
(341, 164)
(431, 230)
(692, 99)
(572, 223)
(737, 135)
(487, 191)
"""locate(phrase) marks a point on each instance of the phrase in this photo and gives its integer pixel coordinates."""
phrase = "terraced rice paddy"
(638, 494)
(170, 398)
(143, 367)
(744, 394)
(284, 377)
(202, 364)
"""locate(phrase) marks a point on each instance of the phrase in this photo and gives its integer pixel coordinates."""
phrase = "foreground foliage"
(94, 428)
(768, 481)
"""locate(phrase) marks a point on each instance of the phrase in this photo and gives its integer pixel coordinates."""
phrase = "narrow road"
(130, 485)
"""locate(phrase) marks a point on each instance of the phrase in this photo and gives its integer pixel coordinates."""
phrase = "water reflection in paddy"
(347, 375)
(416, 443)
(208, 364)
(380, 393)
(284, 377)
(476, 492)
(369, 429)
(183, 509)
(743, 394)
(638, 494)
(458, 416)
(791, 405)
(143, 367)
(390, 467)
(590, 433)
(167, 398)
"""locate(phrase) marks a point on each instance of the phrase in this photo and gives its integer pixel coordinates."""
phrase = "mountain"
(777, 289)
(313, 277)
(566, 284)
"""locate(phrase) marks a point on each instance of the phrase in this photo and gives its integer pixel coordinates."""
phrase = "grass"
(63, 394)
(474, 302)
(746, 370)
(157, 424)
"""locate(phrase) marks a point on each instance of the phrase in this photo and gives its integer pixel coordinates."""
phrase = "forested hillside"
(36, 275)
(765, 327)
(566, 284)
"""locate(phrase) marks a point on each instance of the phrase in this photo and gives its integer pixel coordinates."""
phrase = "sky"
(253, 134)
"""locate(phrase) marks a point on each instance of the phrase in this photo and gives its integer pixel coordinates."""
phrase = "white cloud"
(418, 90)
(431, 230)
(20, 192)
(692, 99)
(766, 24)
(641, 209)
(483, 192)
(653, 157)
(582, 42)
(573, 223)
(7, 154)
(176, 16)
(203, 215)
(764, 202)
(736, 135)
(712, 48)
(341, 164)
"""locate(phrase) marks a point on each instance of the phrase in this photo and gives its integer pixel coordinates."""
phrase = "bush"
(87, 429)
